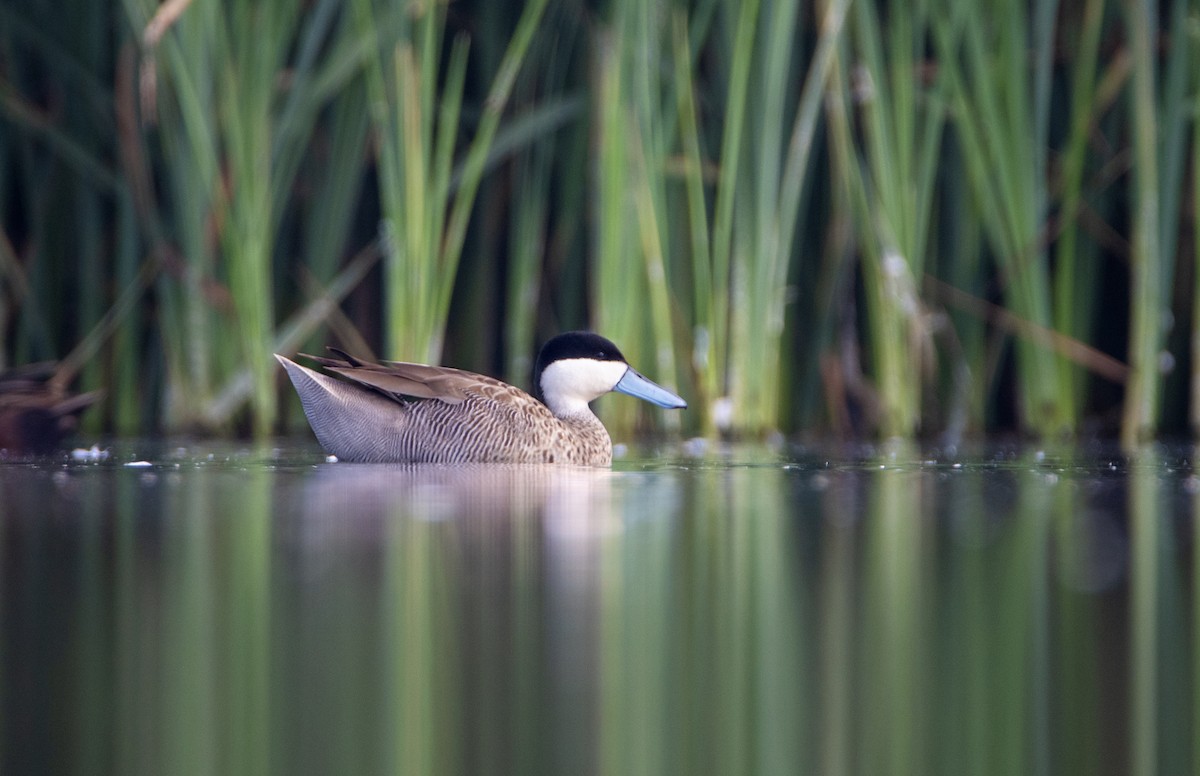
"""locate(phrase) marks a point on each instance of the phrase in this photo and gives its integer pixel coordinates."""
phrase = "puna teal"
(392, 411)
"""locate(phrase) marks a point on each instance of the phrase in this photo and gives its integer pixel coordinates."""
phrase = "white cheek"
(569, 385)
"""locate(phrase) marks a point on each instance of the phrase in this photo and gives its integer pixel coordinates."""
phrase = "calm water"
(216, 610)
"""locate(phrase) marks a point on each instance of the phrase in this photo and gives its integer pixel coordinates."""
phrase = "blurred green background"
(890, 218)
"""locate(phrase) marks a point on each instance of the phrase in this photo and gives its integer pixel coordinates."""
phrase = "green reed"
(1000, 106)
(252, 45)
(635, 110)
(534, 179)
(1194, 393)
(759, 255)
(1075, 257)
(416, 115)
(1159, 117)
(893, 191)
(619, 281)
(233, 133)
(736, 67)
(183, 114)
(739, 254)
(719, 186)
(707, 308)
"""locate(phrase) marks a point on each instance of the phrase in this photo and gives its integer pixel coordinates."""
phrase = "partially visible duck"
(36, 412)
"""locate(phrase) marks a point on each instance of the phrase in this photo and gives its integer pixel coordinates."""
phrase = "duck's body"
(35, 411)
(413, 412)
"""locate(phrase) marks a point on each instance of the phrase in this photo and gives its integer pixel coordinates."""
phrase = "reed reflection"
(484, 596)
(1162, 689)
(1028, 615)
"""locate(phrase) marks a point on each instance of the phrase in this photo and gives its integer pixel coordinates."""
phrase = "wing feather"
(421, 381)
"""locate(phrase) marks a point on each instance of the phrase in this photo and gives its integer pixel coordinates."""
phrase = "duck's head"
(578, 367)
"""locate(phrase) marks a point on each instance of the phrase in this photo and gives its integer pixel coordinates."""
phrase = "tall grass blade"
(635, 257)
(255, 40)
(902, 127)
(765, 242)
(713, 328)
(994, 97)
(477, 153)
(417, 121)
(234, 135)
(1194, 403)
(1076, 277)
(533, 137)
(707, 387)
(527, 245)
(1158, 125)
(619, 284)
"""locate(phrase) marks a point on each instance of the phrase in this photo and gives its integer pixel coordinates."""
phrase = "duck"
(393, 412)
(36, 411)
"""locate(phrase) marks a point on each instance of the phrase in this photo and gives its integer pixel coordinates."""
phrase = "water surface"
(204, 608)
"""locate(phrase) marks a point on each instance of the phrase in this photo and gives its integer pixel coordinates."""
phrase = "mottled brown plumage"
(395, 411)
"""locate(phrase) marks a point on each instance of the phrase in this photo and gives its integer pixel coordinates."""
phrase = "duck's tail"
(343, 416)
